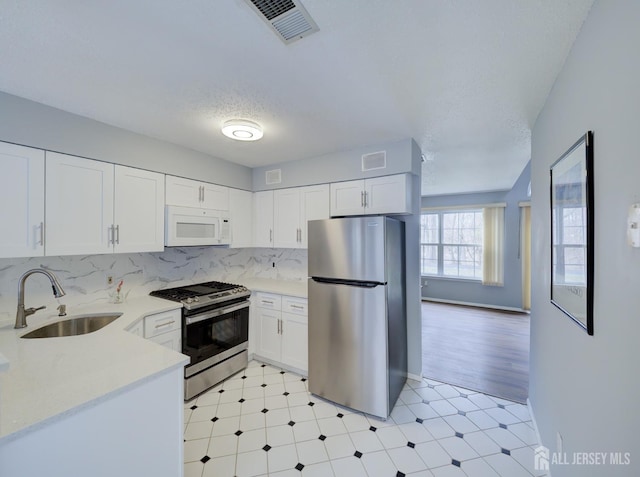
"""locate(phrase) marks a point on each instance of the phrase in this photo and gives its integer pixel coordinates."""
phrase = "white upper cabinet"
(379, 195)
(138, 210)
(263, 219)
(21, 201)
(241, 215)
(293, 208)
(286, 218)
(79, 214)
(315, 205)
(347, 198)
(189, 193)
(96, 207)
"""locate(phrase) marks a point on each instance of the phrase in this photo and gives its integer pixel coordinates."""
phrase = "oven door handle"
(217, 312)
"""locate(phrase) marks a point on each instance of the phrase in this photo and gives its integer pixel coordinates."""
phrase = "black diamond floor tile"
(214, 419)
(266, 448)
(194, 407)
(238, 432)
(419, 421)
(322, 437)
(373, 429)
(358, 454)
(462, 413)
(264, 411)
(460, 435)
(411, 444)
(340, 415)
(205, 459)
(291, 423)
(299, 467)
(505, 451)
(503, 426)
(457, 463)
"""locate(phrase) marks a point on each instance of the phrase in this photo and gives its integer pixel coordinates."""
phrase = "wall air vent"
(374, 160)
(273, 177)
(288, 19)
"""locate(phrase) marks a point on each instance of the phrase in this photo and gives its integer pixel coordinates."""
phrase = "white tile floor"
(263, 421)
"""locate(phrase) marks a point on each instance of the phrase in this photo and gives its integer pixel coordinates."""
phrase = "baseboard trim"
(477, 305)
(415, 377)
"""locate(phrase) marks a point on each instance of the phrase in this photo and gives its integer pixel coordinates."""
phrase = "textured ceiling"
(466, 79)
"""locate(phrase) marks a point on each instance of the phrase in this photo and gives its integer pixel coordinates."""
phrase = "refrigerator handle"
(351, 283)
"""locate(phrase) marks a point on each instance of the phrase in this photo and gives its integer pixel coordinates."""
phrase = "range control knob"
(189, 300)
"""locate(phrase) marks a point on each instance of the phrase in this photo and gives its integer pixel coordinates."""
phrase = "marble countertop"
(47, 379)
(281, 287)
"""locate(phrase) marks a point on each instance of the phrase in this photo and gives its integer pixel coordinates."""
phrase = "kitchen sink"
(79, 325)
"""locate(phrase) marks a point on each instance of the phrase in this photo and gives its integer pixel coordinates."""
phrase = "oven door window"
(210, 337)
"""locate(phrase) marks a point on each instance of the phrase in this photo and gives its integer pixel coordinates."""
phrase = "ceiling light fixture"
(242, 130)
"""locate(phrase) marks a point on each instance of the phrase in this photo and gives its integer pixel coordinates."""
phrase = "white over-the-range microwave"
(187, 226)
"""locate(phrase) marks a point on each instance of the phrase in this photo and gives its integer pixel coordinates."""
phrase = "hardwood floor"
(476, 348)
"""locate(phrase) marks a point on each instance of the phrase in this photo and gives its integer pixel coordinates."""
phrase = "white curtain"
(493, 246)
(526, 257)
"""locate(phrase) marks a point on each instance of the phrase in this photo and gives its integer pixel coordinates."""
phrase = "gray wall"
(587, 387)
(37, 125)
(340, 166)
(467, 291)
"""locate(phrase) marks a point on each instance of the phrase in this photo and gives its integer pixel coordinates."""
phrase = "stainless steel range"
(215, 331)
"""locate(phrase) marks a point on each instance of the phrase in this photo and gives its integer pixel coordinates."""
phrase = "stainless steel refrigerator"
(357, 312)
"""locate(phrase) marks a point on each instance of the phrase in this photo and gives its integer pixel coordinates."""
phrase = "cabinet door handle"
(265, 302)
(202, 193)
(117, 237)
(270, 235)
(365, 199)
(110, 235)
(297, 307)
(42, 234)
(165, 324)
(361, 198)
(281, 327)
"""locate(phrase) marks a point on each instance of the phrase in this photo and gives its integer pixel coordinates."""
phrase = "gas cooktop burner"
(202, 294)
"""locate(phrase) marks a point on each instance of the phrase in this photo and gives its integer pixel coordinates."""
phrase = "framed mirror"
(572, 232)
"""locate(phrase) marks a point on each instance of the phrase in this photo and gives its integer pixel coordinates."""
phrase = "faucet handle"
(31, 311)
(62, 310)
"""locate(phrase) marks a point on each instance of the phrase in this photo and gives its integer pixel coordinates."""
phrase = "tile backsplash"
(84, 278)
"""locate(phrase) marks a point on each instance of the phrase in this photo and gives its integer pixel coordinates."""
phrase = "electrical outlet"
(109, 280)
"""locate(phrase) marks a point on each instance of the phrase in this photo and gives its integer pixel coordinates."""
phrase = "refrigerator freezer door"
(348, 362)
(351, 248)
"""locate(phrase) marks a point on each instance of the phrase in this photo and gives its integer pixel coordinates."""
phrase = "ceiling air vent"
(288, 19)
(273, 177)
(374, 160)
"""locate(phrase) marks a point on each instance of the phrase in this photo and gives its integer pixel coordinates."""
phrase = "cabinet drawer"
(160, 323)
(269, 301)
(294, 305)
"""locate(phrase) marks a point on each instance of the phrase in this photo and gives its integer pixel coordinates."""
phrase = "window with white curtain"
(451, 243)
(464, 243)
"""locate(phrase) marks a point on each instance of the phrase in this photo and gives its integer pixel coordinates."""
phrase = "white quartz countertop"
(280, 287)
(48, 378)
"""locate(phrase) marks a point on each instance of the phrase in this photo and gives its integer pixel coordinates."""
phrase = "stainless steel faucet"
(21, 314)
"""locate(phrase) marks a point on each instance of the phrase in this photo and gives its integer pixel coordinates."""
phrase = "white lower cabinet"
(281, 336)
(164, 328)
